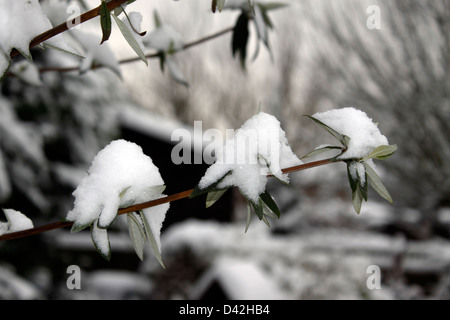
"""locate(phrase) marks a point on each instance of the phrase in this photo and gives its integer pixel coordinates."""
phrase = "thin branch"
(68, 24)
(148, 204)
(148, 56)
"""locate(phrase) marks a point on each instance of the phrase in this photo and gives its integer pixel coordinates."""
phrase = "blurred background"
(322, 55)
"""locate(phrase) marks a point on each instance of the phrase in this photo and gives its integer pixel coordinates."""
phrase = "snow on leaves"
(258, 149)
(20, 22)
(120, 176)
(16, 221)
(361, 142)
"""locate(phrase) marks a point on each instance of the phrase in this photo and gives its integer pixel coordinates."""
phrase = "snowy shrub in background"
(120, 176)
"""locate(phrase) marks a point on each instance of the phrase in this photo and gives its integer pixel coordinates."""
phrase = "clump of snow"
(17, 221)
(258, 148)
(363, 132)
(20, 22)
(357, 170)
(241, 280)
(120, 175)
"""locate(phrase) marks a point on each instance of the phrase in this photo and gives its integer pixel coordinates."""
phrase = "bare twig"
(148, 204)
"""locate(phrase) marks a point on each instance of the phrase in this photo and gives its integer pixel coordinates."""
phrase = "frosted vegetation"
(16, 221)
(120, 175)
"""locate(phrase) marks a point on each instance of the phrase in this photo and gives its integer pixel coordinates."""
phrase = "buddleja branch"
(69, 24)
(148, 204)
(148, 56)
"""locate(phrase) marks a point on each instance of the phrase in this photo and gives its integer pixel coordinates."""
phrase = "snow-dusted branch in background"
(152, 55)
(69, 24)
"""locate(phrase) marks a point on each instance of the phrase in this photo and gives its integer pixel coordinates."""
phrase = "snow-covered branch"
(68, 24)
(144, 205)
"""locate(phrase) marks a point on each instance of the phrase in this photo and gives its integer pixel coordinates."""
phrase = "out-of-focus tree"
(399, 73)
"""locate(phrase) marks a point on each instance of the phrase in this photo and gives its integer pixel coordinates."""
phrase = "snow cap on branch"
(363, 132)
(258, 148)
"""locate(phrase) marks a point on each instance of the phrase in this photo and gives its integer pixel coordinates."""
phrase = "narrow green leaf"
(213, 196)
(213, 187)
(46, 45)
(77, 227)
(264, 219)
(269, 213)
(240, 38)
(249, 216)
(357, 200)
(321, 150)
(270, 203)
(272, 5)
(100, 239)
(363, 189)
(105, 21)
(352, 181)
(137, 234)
(259, 209)
(342, 138)
(152, 240)
(158, 22)
(376, 183)
(220, 4)
(128, 35)
(122, 193)
(382, 152)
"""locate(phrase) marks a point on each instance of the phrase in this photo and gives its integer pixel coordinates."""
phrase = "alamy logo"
(373, 22)
(240, 147)
(73, 20)
(74, 280)
(374, 280)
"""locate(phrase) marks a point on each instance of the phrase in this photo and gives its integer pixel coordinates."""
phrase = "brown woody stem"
(65, 25)
(148, 204)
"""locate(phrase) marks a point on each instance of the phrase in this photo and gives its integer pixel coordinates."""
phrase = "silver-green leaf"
(137, 234)
(130, 39)
(152, 240)
(376, 183)
(382, 152)
(101, 241)
(213, 196)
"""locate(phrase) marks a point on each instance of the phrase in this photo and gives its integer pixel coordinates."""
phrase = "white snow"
(258, 148)
(164, 38)
(17, 221)
(363, 132)
(357, 171)
(241, 280)
(120, 175)
(20, 22)
(95, 53)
